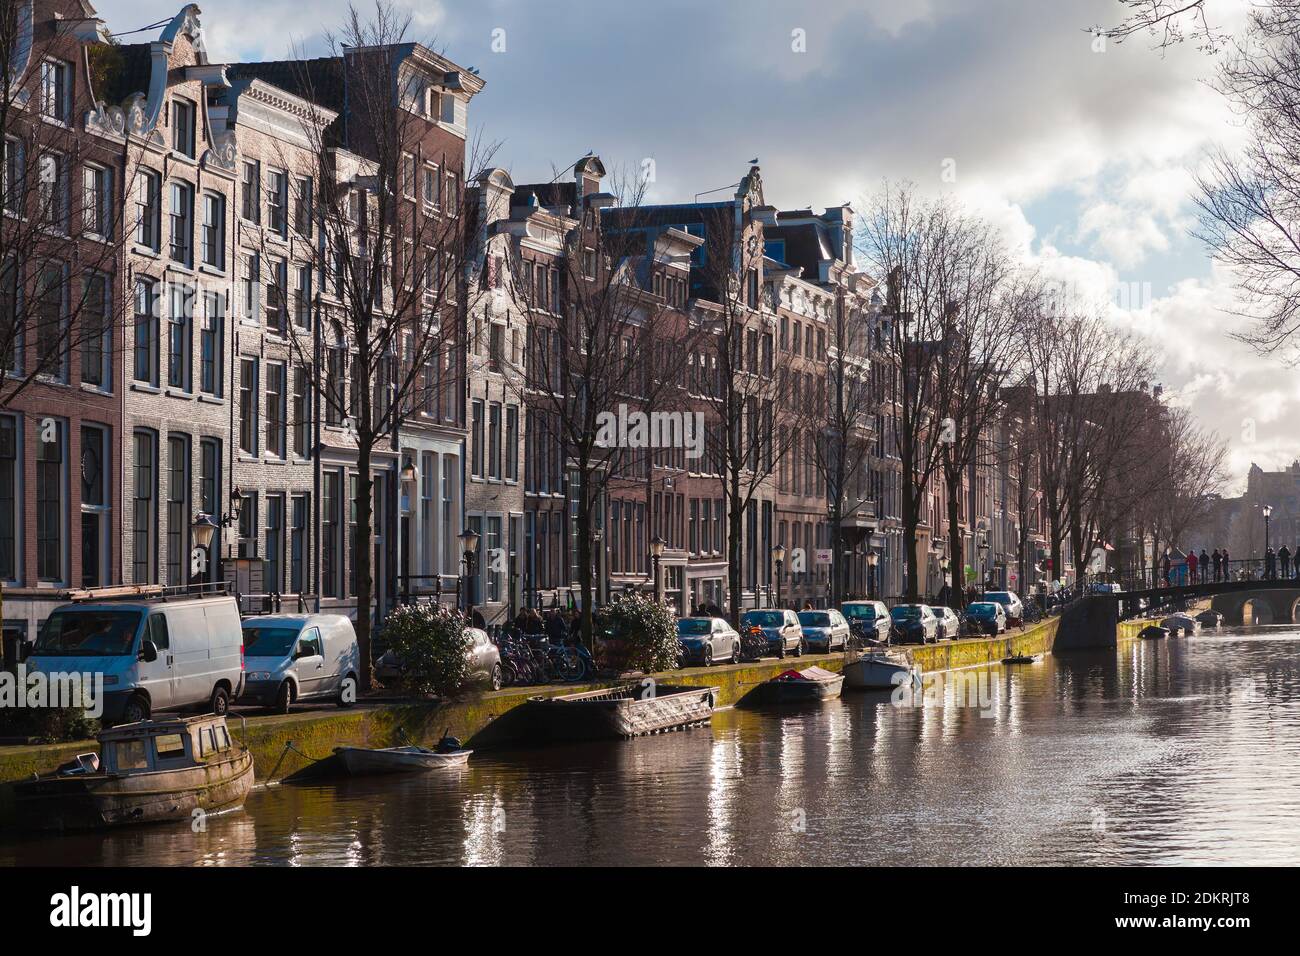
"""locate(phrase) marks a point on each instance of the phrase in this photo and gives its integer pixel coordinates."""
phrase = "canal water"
(1181, 751)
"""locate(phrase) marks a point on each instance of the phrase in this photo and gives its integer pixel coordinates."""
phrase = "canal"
(1182, 751)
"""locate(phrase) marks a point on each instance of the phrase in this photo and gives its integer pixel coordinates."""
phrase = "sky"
(1082, 153)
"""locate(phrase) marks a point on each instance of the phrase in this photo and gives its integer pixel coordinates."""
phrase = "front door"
(158, 677)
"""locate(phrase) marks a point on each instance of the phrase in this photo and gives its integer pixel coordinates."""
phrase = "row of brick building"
(199, 399)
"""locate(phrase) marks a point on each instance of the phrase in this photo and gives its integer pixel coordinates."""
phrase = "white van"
(300, 657)
(155, 654)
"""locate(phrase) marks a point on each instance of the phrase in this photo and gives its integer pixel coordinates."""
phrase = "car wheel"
(136, 709)
(735, 653)
(800, 648)
(347, 691)
(780, 650)
(220, 702)
(708, 655)
(495, 677)
(283, 699)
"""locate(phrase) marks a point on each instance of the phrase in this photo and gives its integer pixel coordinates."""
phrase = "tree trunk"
(362, 555)
(734, 549)
(957, 564)
(584, 554)
(910, 521)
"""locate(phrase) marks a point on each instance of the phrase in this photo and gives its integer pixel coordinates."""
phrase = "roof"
(154, 728)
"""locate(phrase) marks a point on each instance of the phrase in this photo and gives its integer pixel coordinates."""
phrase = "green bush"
(432, 645)
(644, 632)
(47, 725)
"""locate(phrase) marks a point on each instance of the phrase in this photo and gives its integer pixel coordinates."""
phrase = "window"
(248, 526)
(146, 331)
(432, 186)
(97, 334)
(331, 501)
(476, 438)
(13, 175)
(275, 543)
(211, 338)
(301, 412)
(299, 512)
(302, 206)
(182, 223)
(209, 474)
(12, 317)
(494, 440)
(183, 124)
(148, 210)
(95, 509)
(496, 345)
(214, 231)
(52, 171)
(251, 192)
(179, 336)
(178, 508)
(453, 193)
(277, 284)
(512, 443)
(51, 322)
(277, 202)
(408, 176)
(335, 386)
(250, 285)
(10, 520)
(248, 406)
(143, 517)
(302, 297)
(97, 200)
(275, 404)
(56, 90)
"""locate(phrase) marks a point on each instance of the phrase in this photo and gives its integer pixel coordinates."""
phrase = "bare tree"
(1167, 22)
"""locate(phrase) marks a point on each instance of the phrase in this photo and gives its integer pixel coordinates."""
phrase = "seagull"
(754, 161)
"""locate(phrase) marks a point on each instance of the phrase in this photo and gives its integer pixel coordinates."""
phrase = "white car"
(300, 657)
(949, 624)
(708, 639)
(824, 631)
(1014, 607)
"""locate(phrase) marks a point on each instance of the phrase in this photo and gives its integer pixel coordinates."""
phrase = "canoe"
(878, 672)
(810, 684)
(206, 771)
(631, 710)
(360, 761)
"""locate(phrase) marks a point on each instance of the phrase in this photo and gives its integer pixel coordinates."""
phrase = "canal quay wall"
(300, 745)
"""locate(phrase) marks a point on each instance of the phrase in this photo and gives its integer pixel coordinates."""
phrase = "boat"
(361, 761)
(1153, 632)
(147, 772)
(812, 683)
(1181, 623)
(1210, 618)
(630, 710)
(1021, 659)
(876, 671)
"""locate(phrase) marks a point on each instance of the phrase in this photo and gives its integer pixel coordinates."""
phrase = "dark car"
(914, 624)
(869, 620)
(782, 629)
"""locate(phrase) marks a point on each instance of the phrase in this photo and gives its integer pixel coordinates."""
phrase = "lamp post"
(205, 528)
(873, 558)
(657, 545)
(1268, 511)
(408, 475)
(597, 537)
(944, 564)
(984, 562)
(469, 544)
(778, 555)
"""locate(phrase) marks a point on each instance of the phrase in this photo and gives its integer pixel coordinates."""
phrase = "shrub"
(432, 645)
(48, 725)
(643, 633)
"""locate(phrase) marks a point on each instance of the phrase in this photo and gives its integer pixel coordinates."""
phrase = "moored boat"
(631, 710)
(812, 683)
(1181, 623)
(1021, 659)
(1153, 632)
(876, 671)
(360, 761)
(1210, 618)
(147, 772)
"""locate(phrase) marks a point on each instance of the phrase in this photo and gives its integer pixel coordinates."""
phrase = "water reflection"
(1175, 751)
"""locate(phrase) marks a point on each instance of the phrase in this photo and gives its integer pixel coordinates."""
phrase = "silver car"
(949, 624)
(483, 657)
(871, 618)
(707, 639)
(781, 628)
(824, 631)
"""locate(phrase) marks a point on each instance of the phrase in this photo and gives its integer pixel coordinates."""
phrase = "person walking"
(1191, 566)
(1270, 564)
(1204, 565)
(1227, 571)
(1167, 580)
(1218, 565)
(1284, 558)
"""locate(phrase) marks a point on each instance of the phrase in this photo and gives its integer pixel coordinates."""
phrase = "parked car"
(155, 654)
(914, 624)
(869, 618)
(949, 625)
(483, 656)
(293, 658)
(824, 631)
(1014, 607)
(707, 639)
(782, 629)
(988, 617)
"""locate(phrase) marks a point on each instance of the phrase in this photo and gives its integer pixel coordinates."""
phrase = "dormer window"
(56, 90)
(183, 122)
(432, 104)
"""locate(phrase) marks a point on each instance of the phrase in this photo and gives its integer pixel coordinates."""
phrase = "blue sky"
(1082, 156)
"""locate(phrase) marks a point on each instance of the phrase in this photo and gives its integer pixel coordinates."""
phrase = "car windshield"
(906, 612)
(269, 640)
(694, 626)
(814, 619)
(1002, 597)
(764, 618)
(858, 610)
(982, 609)
(74, 632)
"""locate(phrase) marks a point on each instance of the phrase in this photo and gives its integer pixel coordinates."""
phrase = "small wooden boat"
(1021, 659)
(1153, 632)
(1210, 618)
(360, 761)
(876, 671)
(149, 771)
(1181, 623)
(631, 710)
(812, 683)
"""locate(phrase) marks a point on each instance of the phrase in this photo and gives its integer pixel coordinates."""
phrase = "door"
(158, 677)
(718, 641)
(309, 664)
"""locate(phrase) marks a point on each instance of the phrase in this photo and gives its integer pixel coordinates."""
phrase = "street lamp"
(984, 562)
(873, 558)
(778, 555)
(657, 545)
(1268, 511)
(409, 474)
(469, 544)
(205, 525)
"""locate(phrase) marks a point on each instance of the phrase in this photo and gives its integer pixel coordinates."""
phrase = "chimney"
(588, 172)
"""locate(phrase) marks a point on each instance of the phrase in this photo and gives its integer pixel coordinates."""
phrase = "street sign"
(822, 555)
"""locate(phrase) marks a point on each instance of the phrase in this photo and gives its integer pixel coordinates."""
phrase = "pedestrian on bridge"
(1270, 564)
(1218, 565)
(1191, 566)
(1284, 556)
(1227, 571)
(1205, 567)
(1167, 580)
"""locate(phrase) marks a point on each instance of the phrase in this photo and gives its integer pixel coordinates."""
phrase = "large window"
(476, 438)
(51, 322)
(512, 443)
(214, 231)
(146, 331)
(183, 126)
(179, 336)
(300, 513)
(97, 200)
(302, 297)
(97, 333)
(275, 543)
(251, 192)
(51, 458)
(11, 315)
(301, 412)
(56, 90)
(148, 210)
(10, 513)
(211, 338)
(209, 475)
(13, 175)
(277, 202)
(248, 406)
(275, 409)
(331, 502)
(302, 206)
(277, 284)
(182, 223)
(178, 508)
(53, 191)
(250, 287)
(144, 536)
(494, 440)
